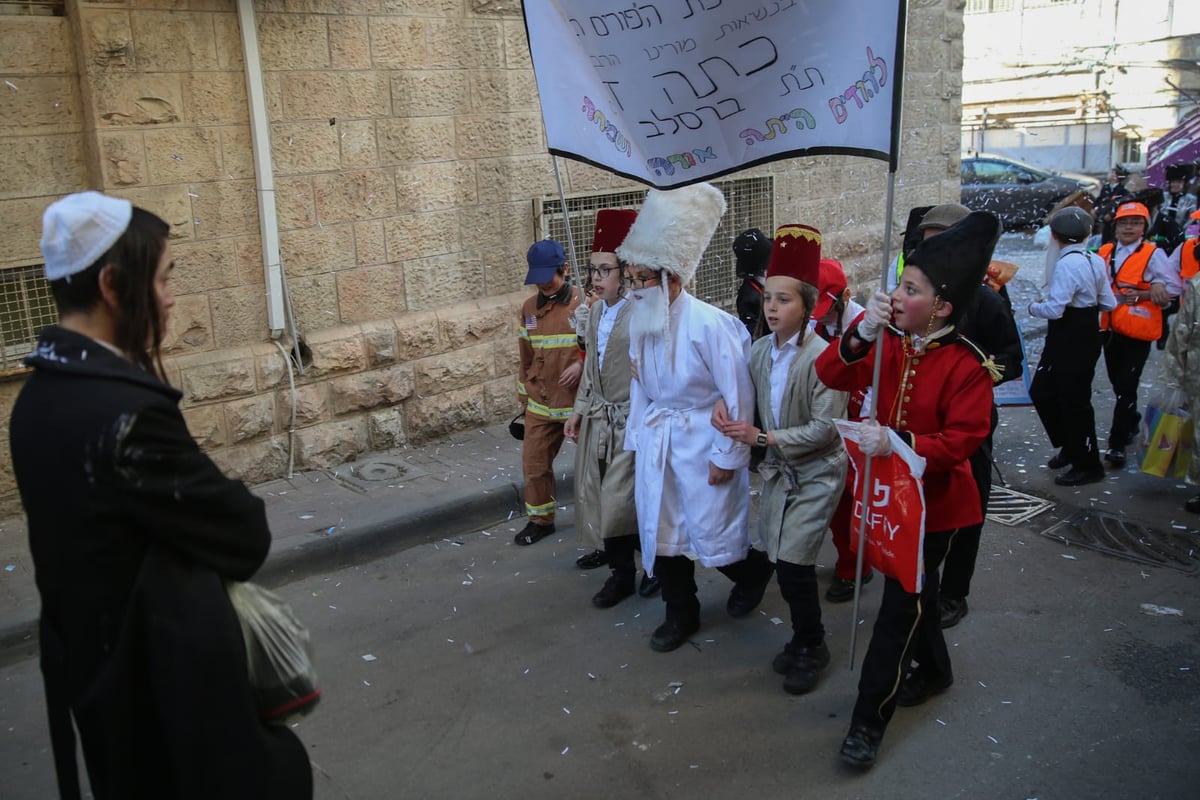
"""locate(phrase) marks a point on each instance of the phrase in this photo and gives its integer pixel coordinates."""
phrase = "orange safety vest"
(1189, 265)
(1141, 321)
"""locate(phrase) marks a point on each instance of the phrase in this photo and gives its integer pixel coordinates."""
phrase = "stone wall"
(408, 152)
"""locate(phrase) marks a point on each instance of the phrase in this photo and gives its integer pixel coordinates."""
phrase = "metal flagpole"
(562, 198)
(866, 481)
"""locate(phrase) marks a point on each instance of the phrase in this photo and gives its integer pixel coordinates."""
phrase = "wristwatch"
(761, 439)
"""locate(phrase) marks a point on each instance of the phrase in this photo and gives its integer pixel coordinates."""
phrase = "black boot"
(750, 577)
(678, 577)
(806, 655)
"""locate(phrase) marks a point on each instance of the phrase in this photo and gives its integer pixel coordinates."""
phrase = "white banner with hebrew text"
(676, 91)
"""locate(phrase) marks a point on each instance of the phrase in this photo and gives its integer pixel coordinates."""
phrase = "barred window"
(751, 204)
(988, 6)
(26, 306)
(33, 8)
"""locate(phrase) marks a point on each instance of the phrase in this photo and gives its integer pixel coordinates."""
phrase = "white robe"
(669, 427)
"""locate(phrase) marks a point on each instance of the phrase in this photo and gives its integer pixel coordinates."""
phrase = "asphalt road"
(492, 676)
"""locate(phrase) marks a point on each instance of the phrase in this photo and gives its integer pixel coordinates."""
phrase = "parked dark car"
(1018, 193)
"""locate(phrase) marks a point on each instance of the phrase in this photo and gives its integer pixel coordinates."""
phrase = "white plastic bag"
(278, 652)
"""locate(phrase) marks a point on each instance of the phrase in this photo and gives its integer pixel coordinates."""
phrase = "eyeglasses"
(603, 272)
(640, 281)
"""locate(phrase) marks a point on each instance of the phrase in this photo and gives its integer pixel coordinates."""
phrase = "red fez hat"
(796, 254)
(612, 224)
(829, 290)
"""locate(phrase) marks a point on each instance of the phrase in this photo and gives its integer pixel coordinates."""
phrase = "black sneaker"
(915, 689)
(649, 586)
(615, 590)
(807, 664)
(1078, 477)
(596, 558)
(1193, 505)
(1115, 456)
(1058, 461)
(532, 533)
(860, 748)
(842, 590)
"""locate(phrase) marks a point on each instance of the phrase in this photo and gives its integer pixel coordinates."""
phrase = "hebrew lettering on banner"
(678, 91)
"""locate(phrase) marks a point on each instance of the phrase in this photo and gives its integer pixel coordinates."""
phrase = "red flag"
(895, 509)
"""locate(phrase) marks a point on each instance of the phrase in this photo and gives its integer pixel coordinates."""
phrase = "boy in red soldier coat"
(936, 393)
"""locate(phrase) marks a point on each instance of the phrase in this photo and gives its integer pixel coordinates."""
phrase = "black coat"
(133, 531)
(989, 323)
(749, 306)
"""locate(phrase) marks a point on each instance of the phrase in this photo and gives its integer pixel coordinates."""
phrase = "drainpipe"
(260, 138)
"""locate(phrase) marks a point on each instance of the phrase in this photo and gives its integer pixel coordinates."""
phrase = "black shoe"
(1115, 456)
(1078, 477)
(1193, 505)
(649, 586)
(596, 558)
(615, 590)
(806, 667)
(746, 594)
(860, 748)
(671, 634)
(1059, 461)
(842, 590)
(533, 533)
(915, 689)
(952, 610)
(815, 657)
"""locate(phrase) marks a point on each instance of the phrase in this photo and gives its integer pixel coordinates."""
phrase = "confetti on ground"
(939, 722)
(306, 516)
(776, 621)
(984, 685)
(10, 568)
(564, 752)
(366, 683)
(590, 675)
(994, 740)
(566, 711)
(1160, 611)
(1065, 555)
(368, 657)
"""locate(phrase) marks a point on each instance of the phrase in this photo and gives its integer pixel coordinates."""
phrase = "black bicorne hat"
(956, 260)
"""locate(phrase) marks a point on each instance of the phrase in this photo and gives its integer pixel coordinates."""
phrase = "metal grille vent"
(26, 306)
(751, 204)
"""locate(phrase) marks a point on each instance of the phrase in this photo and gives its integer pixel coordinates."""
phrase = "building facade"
(1078, 84)
(409, 173)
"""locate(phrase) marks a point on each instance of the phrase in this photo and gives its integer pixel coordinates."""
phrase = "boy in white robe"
(805, 465)
(692, 485)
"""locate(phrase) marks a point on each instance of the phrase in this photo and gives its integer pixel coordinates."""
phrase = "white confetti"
(939, 722)
(776, 621)
(566, 711)
(564, 752)
(366, 683)
(994, 740)
(368, 657)
(1160, 611)
(1072, 558)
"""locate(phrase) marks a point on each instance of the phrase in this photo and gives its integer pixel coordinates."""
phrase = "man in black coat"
(133, 532)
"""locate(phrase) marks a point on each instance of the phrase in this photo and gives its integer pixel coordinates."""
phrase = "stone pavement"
(326, 519)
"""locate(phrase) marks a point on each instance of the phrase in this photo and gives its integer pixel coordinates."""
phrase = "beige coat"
(604, 470)
(1183, 362)
(805, 471)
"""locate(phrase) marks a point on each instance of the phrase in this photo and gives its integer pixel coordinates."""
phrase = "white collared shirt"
(781, 361)
(608, 318)
(1078, 281)
(1157, 271)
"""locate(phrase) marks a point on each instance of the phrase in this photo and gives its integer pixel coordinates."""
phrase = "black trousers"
(1062, 385)
(619, 550)
(908, 627)
(1124, 359)
(798, 585)
(959, 566)
(678, 577)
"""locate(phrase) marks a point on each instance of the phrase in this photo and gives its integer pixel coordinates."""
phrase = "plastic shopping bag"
(1166, 436)
(895, 509)
(279, 654)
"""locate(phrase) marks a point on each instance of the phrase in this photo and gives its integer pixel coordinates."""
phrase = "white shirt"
(1157, 271)
(608, 318)
(781, 361)
(1078, 281)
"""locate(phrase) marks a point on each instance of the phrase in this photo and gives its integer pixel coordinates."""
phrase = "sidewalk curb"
(457, 512)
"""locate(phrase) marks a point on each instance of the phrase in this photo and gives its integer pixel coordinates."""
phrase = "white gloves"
(581, 317)
(874, 439)
(879, 314)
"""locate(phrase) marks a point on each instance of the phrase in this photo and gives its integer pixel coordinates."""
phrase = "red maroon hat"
(612, 225)
(796, 253)
(830, 288)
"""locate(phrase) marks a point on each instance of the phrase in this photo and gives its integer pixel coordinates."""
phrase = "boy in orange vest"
(1143, 283)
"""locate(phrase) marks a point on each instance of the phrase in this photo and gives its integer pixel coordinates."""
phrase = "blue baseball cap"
(545, 258)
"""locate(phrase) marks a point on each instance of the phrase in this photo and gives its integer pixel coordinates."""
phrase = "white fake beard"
(649, 315)
(1053, 251)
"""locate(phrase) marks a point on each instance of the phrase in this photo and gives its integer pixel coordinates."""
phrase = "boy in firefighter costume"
(692, 485)
(805, 465)
(549, 372)
(935, 392)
